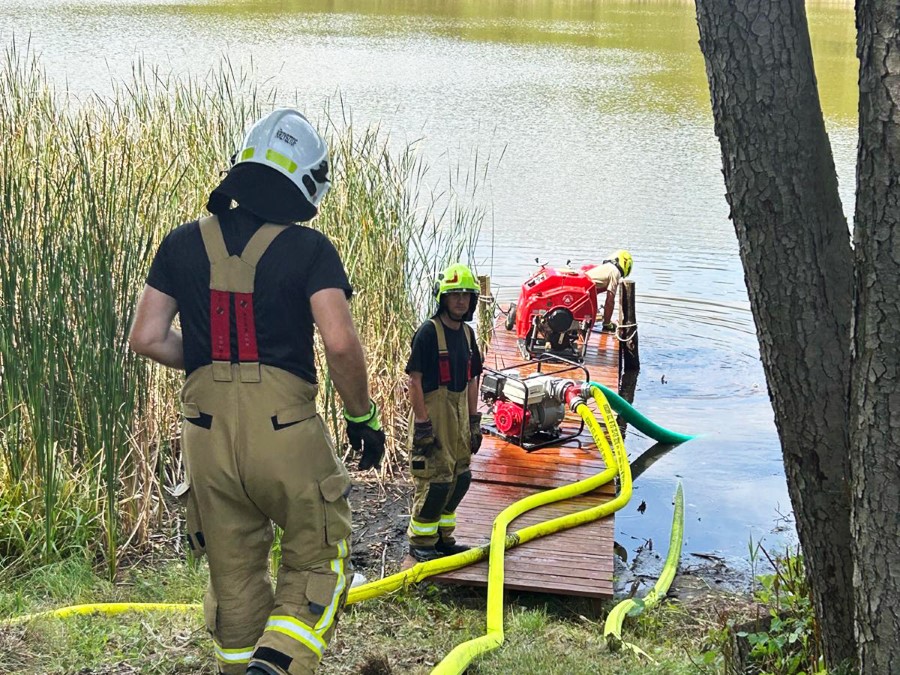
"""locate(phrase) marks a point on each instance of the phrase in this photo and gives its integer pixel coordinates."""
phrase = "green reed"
(394, 235)
(88, 188)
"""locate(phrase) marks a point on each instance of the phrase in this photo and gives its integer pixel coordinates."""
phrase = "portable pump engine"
(554, 314)
(530, 410)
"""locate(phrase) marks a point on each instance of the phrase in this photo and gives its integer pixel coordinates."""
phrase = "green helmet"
(457, 278)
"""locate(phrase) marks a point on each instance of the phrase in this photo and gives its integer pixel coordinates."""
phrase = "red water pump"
(530, 410)
(554, 314)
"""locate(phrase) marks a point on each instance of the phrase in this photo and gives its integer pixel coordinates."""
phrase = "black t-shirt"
(424, 357)
(298, 263)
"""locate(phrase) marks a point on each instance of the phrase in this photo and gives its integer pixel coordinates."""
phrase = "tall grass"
(394, 236)
(87, 190)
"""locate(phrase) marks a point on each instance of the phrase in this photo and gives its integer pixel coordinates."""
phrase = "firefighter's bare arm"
(344, 353)
(417, 397)
(475, 436)
(152, 334)
(472, 395)
(347, 367)
(608, 307)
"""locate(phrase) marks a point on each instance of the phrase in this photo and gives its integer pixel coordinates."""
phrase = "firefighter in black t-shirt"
(249, 285)
(443, 373)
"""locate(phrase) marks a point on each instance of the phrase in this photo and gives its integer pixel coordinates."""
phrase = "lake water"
(600, 112)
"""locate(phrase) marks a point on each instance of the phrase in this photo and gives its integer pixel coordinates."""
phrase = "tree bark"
(875, 398)
(795, 248)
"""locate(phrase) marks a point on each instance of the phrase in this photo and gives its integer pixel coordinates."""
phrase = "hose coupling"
(587, 390)
(558, 389)
(575, 400)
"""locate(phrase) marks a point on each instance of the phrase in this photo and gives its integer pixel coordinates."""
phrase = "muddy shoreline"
(381, 513)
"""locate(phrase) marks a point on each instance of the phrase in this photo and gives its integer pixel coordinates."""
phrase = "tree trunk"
(795, 248)
(875, 411)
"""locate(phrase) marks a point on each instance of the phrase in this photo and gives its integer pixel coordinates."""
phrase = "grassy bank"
(696, 630)
(88, 431)
(407, 632)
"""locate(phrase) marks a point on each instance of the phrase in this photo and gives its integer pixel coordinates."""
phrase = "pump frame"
(549, 438)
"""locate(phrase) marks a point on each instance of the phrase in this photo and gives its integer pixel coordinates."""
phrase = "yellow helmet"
(458, 278)
(622, 259)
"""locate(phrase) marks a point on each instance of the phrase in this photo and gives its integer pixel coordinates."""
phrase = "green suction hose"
(638, 421)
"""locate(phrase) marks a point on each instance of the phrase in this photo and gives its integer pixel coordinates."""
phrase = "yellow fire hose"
(105, 608)
(612, 630)
(422, 571)
(404, 579)
(461, 656)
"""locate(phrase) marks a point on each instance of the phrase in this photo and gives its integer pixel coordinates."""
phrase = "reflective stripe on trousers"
(449, 414)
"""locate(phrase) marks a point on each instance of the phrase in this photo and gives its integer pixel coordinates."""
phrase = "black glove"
(366, 433)
(609, 327)
(424, 442)
(475, 437)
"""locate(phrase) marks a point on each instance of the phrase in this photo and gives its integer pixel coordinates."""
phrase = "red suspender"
(444, 376)
(220, 324)
(233, 277)
(443, 369)
(469, 361)
(246, 327)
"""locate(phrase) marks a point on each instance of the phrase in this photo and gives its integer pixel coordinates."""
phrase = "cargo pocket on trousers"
(421, 466)
(320, 594)
(288, 417)
(193, 527)
(192, 414)
(334, 490)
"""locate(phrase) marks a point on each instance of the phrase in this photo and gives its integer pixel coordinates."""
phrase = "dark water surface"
(600, 112)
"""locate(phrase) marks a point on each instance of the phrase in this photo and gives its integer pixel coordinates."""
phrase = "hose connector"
(558, 388)
(574, 399)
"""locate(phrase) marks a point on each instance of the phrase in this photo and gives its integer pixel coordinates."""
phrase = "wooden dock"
(574, 562)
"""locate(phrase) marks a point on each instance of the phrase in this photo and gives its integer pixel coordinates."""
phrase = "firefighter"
(606, 278)
(248, 284)
(443, 368)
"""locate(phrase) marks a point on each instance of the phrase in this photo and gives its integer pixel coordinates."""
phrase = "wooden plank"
(572, 562)
(564, 575)
(486, 503)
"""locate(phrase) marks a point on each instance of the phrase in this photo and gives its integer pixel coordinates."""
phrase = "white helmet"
(285, 141)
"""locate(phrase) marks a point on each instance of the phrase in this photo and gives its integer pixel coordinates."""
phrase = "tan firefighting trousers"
(441, 479)
(256, 453)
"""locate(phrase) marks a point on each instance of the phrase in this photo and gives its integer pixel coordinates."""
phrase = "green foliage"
(790, 644)
(85, 190)
(88, 188)
(784, 638)
(414, 629)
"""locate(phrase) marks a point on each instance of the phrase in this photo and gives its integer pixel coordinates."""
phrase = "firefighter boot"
(446, 542)
(425, 553)
(448, 548)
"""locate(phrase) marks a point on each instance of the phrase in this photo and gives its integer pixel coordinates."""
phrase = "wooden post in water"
(485, 314)
(628, 331)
